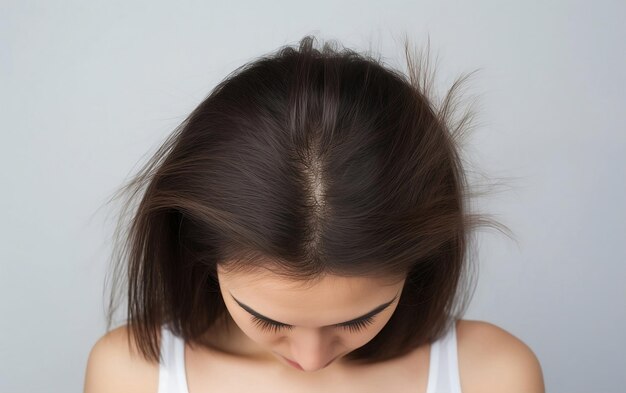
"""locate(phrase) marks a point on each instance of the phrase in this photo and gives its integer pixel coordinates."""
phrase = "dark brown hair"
(306, 162)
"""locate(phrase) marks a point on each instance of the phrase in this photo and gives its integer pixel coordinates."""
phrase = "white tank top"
(443, 372)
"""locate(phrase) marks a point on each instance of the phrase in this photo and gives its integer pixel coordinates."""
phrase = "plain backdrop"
(88, 89)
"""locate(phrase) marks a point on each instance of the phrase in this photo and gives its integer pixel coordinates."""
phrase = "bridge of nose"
(312, 349)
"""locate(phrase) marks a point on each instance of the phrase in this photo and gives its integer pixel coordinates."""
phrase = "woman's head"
(313, 165)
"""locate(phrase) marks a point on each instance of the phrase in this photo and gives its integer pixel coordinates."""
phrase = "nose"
(312, 349)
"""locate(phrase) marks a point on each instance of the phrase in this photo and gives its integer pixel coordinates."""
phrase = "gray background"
(87, 89)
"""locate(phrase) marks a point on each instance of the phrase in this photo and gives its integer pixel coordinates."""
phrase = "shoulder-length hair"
(306, 162)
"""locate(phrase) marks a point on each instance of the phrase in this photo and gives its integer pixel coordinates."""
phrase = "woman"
(306, 230)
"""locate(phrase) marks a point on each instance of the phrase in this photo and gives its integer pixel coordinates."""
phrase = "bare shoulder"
(494, 360)
(114, 366)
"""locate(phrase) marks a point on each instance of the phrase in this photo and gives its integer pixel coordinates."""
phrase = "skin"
(311, 310)
(490, 359)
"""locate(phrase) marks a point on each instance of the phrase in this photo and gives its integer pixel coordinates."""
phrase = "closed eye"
(353, 327)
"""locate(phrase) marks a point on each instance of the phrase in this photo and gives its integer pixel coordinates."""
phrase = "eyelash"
(352, 327)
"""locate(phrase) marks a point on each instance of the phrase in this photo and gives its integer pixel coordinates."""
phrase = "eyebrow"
(369, 314)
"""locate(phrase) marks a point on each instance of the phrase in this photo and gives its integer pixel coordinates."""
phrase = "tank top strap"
(443, 373)
(172, 376)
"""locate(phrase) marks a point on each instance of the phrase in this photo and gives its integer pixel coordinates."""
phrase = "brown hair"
(316, 162)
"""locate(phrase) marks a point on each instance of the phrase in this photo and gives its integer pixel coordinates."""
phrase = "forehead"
(335, 298)
(266, 279)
